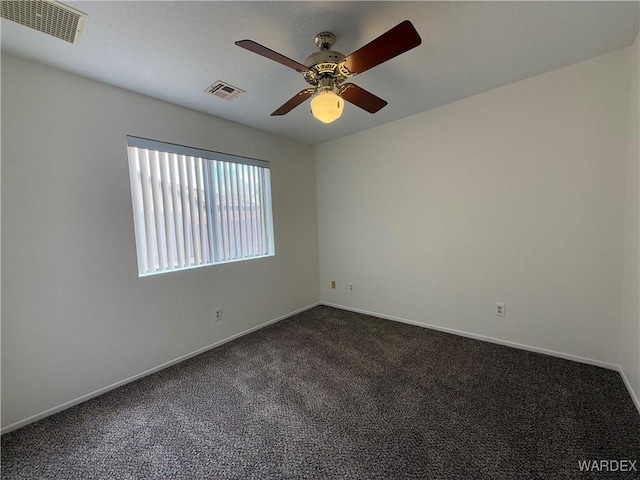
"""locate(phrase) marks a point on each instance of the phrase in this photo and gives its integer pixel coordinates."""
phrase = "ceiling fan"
(327, 70)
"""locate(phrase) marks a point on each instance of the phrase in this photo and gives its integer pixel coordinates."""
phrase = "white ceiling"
(174, 50)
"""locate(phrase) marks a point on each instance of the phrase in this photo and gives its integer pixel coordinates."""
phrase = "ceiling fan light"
(326, 106)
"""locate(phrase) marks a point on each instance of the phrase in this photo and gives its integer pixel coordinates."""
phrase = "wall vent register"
(46, 16)
(224, 90)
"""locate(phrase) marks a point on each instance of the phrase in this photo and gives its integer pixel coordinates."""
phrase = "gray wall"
(630, 331)
(515, 195)
(75, 316)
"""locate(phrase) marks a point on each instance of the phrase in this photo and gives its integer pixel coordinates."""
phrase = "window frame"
(209, 209)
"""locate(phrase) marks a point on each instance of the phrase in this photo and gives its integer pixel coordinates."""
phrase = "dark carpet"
(330, 394)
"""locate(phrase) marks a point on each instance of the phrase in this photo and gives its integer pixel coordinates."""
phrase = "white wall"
(630, 331)
(515, 195)
(75, 316)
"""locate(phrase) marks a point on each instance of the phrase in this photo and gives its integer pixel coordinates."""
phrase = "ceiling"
(174, 50)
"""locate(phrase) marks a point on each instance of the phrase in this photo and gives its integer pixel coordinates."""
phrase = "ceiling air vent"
(223, 90)
(47, 16)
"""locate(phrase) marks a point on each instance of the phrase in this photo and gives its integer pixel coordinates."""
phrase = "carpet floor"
(331, 394)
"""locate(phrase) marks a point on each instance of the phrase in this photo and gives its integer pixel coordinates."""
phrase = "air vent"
(47, 16)
(223, 90)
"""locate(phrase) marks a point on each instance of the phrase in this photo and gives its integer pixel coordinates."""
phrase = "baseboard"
(476, 336)
(84, 398)
(634, 397)
(96, 393)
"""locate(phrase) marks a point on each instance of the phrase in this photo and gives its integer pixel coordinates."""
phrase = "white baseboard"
(476, 336)
(88, 396)
(83, 398)
(634, 397)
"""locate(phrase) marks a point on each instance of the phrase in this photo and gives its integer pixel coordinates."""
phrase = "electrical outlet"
(217, 314)
(499, 309)
(351, 289)
(333, 284)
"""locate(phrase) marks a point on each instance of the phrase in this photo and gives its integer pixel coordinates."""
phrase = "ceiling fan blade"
(270, 54)
(293, 102)
(361, 98)
(401, 38)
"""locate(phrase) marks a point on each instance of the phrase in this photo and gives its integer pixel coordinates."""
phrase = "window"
(195, 207)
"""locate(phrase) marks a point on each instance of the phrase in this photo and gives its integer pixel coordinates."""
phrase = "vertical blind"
(195, 207)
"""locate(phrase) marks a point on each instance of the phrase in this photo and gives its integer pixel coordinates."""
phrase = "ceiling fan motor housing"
(322, 64)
